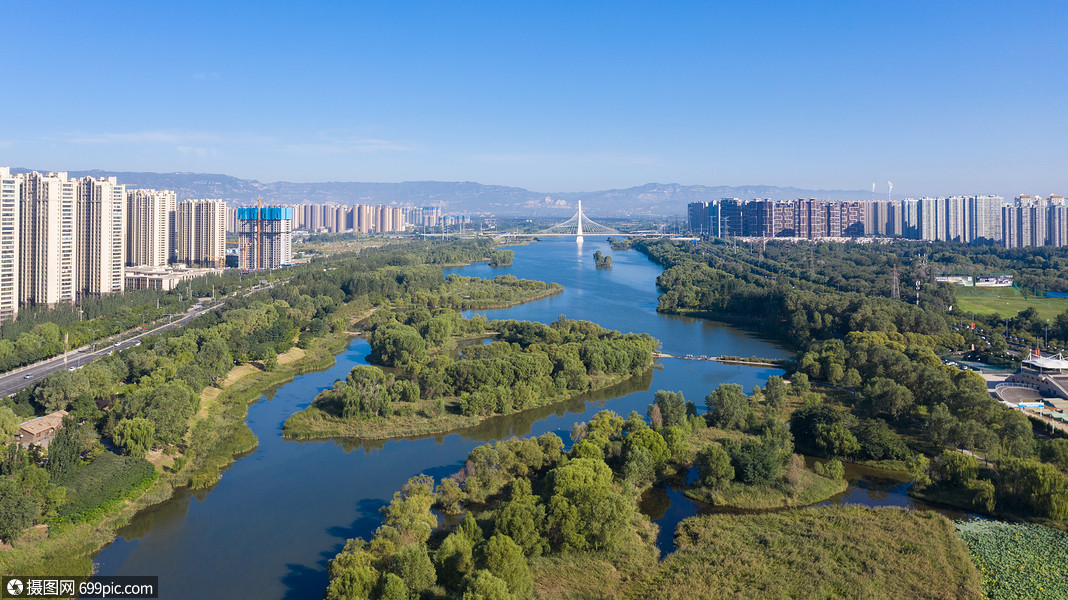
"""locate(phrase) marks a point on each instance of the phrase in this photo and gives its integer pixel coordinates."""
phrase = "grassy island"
(798, 487)
(439, 376)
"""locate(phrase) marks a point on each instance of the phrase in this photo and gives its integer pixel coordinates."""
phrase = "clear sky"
(938, 97)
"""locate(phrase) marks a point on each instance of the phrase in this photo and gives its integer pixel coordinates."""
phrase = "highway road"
(22, 377)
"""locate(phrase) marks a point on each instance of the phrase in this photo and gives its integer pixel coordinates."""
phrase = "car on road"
(28, 376)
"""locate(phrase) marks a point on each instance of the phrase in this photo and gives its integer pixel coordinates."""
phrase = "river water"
(268, 528)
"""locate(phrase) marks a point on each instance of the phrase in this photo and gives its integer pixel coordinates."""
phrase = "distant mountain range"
(461, 197)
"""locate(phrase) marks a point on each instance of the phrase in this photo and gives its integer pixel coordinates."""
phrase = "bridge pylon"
(578, 225)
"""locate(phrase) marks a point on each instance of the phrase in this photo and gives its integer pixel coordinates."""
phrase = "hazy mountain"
(466, 196)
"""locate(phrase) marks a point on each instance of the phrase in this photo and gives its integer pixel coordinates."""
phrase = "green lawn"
(1006, 302)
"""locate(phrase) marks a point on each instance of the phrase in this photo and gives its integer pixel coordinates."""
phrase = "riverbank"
(312, 423)
(218, 437)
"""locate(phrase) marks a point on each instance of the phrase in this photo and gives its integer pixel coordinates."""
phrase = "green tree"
(215, 358)
(1038, 488)
(483, 585)
(454, 560)
(17, 510)
(879, 442)
(587, 448)
(1054, 451)
(450, 496)
(412, 564)
(522, 518)
(775, 392)
(985, 496)
(9, 424)
(918, 468)
(65, 449)
(504, 558)
(397, 345)
(677, 438)
(836, 440)
(270, 363)
(59, 389)
(754, 463)
(883, 396)
(957, 467)
(940, 423)
(672, 406)
(852, 379)
(393, 588)
(352, 573)
(409, 513)
(649, 440)
(714, 466)
(834, 469)
(585, 512)
(639, 468)
(134, 436)
(728, 407)
(470, 529)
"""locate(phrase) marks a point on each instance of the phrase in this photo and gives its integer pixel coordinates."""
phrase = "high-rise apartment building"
(101, 246)
(342, 216)
(929, 218)
(201, 226)
(9, 245)
(48, 231)
(1014, 230)
(984, 214)
(231, 220)
(365, 218)
(383, 219)
(699, 217)
(276, 236)
(1058, 225)
(430, 216)
(150, 234)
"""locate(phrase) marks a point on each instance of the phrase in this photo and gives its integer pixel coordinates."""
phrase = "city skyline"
(555, 98)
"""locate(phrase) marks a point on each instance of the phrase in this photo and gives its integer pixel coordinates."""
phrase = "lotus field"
(1018, 561)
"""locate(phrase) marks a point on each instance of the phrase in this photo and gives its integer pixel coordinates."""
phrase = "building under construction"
(265, 239)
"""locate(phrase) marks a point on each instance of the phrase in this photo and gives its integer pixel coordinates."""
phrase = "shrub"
(99, 485)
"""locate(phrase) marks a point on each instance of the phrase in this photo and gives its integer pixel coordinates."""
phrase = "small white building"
(162, 278)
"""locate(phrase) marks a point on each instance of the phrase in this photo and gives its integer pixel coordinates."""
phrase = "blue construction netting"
(270, 213)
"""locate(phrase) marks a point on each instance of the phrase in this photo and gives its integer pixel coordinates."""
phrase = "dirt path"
(211, 393)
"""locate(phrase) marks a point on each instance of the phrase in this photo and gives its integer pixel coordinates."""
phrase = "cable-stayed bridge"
(578, 225)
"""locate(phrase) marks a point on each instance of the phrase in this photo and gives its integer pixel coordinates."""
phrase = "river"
(268, 528)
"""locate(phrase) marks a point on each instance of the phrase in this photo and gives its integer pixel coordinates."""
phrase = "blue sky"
(939, 97)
